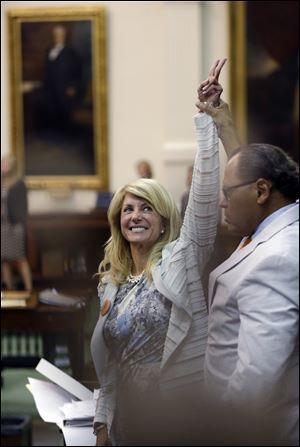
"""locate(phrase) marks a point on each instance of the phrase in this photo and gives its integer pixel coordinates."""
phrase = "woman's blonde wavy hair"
(117, 262)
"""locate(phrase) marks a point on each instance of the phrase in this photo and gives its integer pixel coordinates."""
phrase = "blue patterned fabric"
(136, 334)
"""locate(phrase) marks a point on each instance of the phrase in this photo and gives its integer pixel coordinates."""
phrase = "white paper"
(64, 380)
(51, 296)
(48, 397)
(79, 409)
(51, 397)
(79, 436)
(96, 393)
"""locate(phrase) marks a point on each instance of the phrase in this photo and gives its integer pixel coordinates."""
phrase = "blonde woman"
(150, 338)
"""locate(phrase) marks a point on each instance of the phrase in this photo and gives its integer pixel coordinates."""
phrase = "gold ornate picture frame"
(59, 96)
(237, 54)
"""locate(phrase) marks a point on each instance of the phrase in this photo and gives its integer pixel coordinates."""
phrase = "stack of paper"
(65, 402)
(53, 297)
(79, 414)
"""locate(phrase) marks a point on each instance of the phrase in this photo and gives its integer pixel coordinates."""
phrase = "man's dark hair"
(271, 163)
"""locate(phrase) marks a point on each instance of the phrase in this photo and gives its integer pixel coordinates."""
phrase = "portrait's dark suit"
(62, 89)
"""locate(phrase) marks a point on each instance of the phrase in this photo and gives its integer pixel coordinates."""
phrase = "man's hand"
(223, 120)
(221, 114)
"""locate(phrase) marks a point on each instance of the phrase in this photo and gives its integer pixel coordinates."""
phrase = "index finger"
(213, 68)
(218, 68)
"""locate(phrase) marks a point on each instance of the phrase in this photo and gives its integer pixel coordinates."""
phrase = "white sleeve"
(100, 414)
(106, 401)
(201, 216)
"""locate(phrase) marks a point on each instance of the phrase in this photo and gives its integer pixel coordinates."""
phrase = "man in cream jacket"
(252, 358)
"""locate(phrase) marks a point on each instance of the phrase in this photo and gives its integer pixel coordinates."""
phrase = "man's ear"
(263, 190)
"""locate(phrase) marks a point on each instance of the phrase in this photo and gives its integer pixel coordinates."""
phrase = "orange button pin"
(105, 307)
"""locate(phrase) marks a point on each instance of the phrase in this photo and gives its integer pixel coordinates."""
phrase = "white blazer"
(178, 277)
(253, 320)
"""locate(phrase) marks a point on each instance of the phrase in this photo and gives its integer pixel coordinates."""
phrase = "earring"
(162, 231)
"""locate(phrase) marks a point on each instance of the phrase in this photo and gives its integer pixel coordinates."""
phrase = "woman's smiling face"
(141, 225)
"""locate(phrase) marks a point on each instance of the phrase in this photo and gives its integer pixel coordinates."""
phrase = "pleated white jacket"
(178, 277)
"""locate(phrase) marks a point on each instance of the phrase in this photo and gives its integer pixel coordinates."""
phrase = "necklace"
(134, 279)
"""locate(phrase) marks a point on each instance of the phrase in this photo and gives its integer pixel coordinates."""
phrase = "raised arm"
(224, 123)
(209, 101)
(201, 216)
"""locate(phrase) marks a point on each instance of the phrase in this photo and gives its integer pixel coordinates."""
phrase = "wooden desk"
(51, 320)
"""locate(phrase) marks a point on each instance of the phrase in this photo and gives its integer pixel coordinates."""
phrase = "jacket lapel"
(286, 219)
(99, 349)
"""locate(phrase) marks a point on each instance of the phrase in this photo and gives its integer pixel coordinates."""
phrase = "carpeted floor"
(15, 397)
(16, 400)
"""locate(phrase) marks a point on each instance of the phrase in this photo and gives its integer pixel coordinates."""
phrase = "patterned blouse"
(135, 333)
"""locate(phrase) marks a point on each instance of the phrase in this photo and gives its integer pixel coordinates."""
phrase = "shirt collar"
(271, 218)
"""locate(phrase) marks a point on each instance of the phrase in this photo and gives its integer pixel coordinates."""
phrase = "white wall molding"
(179, 152)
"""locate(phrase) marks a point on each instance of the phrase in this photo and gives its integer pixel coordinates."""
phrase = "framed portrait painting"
(59, 96)
(264, 60)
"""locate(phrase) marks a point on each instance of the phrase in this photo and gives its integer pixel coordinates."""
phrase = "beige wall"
(157, 54)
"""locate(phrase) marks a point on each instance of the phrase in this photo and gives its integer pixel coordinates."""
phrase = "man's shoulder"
(286, 240)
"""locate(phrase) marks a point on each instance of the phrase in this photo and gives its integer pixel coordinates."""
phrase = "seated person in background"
(13, 224)
(144, 169)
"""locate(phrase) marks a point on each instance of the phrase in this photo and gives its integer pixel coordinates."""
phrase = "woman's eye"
(147, 208)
